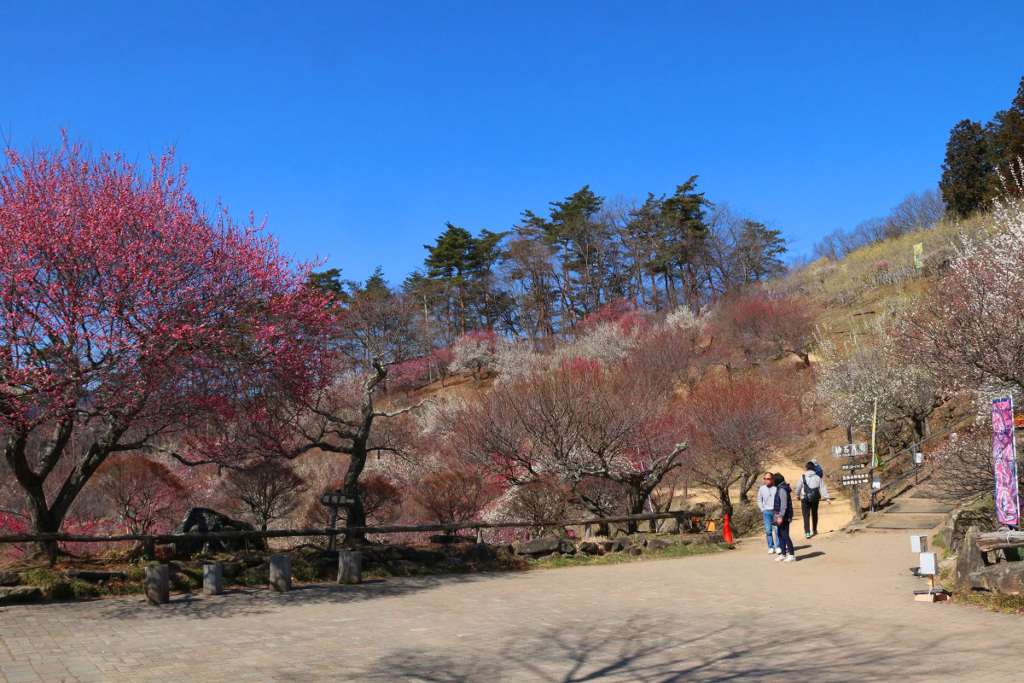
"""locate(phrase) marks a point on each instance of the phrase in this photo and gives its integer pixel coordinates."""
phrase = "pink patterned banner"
(1004, 454)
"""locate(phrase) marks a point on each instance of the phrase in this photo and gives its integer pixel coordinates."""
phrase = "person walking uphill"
(810, 490)
(766, 504)
(783, 515)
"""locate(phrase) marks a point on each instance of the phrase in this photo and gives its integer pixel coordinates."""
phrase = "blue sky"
(359, 129)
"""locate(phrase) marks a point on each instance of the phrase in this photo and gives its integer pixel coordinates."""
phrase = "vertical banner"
(1004, 456)
(918, 255)
(876, 462)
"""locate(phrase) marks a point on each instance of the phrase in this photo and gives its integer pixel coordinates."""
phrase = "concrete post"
(350, 567)
(158, 584)
(280, 573)
(212, 579)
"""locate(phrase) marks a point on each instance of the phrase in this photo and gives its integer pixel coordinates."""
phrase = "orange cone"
(727, 530)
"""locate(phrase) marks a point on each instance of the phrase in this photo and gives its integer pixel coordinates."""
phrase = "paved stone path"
(844, 612)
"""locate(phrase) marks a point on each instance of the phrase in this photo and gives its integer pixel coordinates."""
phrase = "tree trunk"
(746, 483)
(635, 497)
(356, 512)
(723, 495)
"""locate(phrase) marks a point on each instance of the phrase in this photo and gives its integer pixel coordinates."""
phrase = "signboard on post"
(854, 479)
(855, 466)
(335, 499)
(849, 450)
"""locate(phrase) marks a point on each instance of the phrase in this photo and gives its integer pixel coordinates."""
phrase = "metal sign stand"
(334, 500)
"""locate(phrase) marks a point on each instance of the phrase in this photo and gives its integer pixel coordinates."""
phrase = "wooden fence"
(682, 516)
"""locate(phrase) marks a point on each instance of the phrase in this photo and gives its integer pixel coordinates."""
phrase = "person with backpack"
(810, 490)
(783, 515)
(766, 504)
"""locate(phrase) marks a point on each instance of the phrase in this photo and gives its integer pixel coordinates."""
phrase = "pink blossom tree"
(129, 316)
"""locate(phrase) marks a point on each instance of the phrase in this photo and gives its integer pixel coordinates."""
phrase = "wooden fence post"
(281, 573)
(158, 584)
(350, 567)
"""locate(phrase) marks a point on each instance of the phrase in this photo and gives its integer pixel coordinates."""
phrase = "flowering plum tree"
(144, 492)
(735, 424)
(969, 329)
(128, 315)
(577, 421)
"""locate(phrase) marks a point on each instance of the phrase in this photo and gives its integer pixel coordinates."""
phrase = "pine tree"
(758, 251)
(967, 173)
(683, 214)
(1006, 135)
(449, 261)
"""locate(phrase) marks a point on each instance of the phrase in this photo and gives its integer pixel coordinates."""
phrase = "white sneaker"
(780, 558)
(771, 551)
(791, 558)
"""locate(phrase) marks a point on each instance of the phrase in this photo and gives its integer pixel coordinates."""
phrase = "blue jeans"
(786, 541)
(769, 530)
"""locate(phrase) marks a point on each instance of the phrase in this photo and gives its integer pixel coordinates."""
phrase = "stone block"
(479, 553)
(281, 573)
(9, 578)
(158, 585)
(969, 560)
(1006, 578)
(94, 576)
(213, 579)
(16, 594)
(539, 547)
(350, 567)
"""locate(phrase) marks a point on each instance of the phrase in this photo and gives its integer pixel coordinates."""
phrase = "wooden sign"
(850, 450)
(335, 499)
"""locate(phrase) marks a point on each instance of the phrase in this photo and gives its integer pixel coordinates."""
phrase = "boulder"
(659, 543)
(620, 544)
(14, 594)
(426, 557)
(95, 576)
(451, 562)
(205, 520)
(479, 553)
(1006, 578)
(247, 561)
(539, 547)
(606, 546)
(9, 578)
(969, 560)
(567, 547)
(636, 550)
(231, 569)
(589, 548)
(451, 539)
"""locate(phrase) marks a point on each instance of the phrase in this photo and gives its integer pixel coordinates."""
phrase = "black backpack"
(811, 495)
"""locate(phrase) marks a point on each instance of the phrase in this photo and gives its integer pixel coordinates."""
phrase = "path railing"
(682, 516)
(885, 492)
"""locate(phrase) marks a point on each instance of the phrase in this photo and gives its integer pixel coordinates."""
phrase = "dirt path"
(843, 612)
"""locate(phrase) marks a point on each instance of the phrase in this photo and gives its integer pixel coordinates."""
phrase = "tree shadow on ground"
(667, 652)
(235, 602)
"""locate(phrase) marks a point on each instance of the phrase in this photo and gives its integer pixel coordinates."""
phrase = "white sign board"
(854, 479)
(849, 450)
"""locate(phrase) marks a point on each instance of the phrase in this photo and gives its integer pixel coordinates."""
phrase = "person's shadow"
(816, 553)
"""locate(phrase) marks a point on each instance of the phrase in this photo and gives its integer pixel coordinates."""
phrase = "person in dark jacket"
(784, 515)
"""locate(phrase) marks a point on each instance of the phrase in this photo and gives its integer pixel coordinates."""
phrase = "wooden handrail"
(286, 533)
